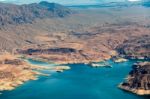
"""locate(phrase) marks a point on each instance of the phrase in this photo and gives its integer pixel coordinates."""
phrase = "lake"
(80, 82)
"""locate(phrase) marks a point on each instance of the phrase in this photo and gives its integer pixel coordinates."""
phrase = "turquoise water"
(81, 82)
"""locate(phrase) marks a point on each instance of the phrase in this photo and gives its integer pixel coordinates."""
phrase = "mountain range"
(27, 13)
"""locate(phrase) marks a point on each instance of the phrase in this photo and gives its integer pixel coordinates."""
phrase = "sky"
(67, 2)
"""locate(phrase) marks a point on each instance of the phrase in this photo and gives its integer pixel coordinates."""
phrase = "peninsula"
(138, 80)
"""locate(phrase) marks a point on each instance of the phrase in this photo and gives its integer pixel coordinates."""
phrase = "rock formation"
(138, 80)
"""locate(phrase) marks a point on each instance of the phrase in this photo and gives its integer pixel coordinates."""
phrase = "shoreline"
(22, 71)
(30, 75)
(140, 92)
(137, 81)
(69, 62)
(30, 71)
(33, 74)
(15, 71)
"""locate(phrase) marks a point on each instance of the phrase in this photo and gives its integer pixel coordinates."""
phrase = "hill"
(27, 13)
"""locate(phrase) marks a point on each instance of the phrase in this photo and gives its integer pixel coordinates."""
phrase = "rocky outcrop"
(138, 80)
(47, 51)
(59, 55)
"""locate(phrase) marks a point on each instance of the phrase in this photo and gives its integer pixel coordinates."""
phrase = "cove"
(80, 82)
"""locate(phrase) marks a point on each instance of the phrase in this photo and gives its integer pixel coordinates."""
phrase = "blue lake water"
(81, 82)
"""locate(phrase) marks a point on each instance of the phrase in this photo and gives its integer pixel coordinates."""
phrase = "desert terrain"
(73, 35)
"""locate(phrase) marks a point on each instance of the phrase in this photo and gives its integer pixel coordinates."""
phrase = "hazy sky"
(66, 1)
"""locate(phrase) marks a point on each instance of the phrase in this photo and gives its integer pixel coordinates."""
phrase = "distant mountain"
(57, 9)
(146, 4)
(27, 13)
(109, 4)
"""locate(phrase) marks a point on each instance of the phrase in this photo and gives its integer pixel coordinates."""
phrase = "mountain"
(57, 9)
(108, 4)
(27, 13)
(146, 4)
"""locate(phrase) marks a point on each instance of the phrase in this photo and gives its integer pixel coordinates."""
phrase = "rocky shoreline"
(64, 55)
(14, 72)
(138, 80)
(135, 91)
(68, 62)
